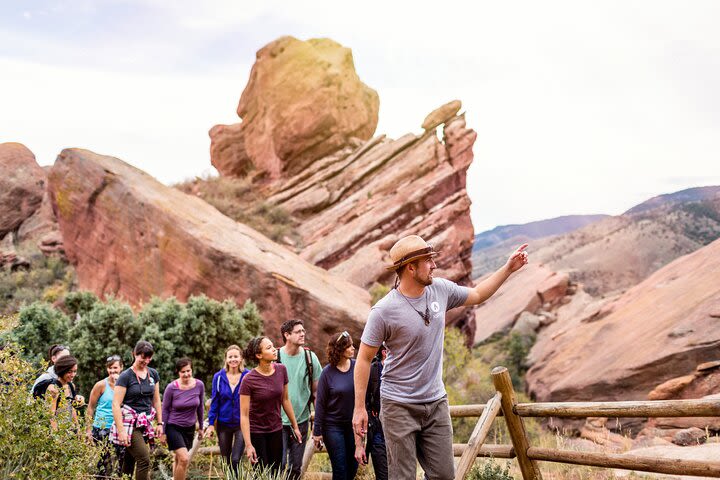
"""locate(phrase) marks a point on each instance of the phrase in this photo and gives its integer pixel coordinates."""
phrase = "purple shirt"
(265, 398)
(183, 407)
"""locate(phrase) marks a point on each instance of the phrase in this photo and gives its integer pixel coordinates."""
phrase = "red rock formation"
(658, 330)
(303, 101)
(355, 204)
(524, 291)
(130, 236)
(22, 184)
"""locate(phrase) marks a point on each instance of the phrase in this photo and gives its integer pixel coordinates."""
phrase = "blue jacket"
(224, 403)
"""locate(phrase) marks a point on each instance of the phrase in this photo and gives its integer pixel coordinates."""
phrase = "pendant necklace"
(426, 315)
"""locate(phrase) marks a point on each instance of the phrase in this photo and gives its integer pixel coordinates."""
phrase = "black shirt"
(139, 395)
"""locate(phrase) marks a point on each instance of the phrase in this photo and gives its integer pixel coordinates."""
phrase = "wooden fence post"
(478, 437)
(516, 427)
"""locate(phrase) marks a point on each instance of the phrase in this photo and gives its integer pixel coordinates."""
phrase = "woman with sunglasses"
(41, 383)
(263, 392)
(135, 405)
(99, 411)
(334, 407)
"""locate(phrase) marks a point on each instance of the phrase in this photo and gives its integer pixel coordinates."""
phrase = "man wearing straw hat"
(410, 319)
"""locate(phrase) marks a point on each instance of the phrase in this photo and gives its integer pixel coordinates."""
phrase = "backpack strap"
(309, 366)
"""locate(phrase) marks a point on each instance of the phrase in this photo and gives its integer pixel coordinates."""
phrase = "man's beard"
(427, 281)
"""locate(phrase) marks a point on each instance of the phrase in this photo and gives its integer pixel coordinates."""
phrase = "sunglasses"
(113, 358)
(344, 334)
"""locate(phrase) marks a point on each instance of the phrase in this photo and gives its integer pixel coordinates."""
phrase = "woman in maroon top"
(262, 392)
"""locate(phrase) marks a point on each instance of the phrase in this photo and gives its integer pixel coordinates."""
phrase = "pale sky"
(580, 107)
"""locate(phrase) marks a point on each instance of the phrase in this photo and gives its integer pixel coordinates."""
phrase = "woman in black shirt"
(135, 404)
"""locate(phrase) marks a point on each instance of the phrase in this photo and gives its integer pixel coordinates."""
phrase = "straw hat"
(408, 249)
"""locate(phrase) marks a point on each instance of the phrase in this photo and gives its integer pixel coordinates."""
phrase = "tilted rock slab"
(303, 101)
(660, 329)
(130, 236)
(356, 204)
(522, 292)
(22, 183)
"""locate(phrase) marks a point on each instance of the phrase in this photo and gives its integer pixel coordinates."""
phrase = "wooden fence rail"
(528, 456)
(504, 404)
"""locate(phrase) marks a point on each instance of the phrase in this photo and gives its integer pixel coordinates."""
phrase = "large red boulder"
(130, 236)
(303, 101)
(22, 184)
(658, 330)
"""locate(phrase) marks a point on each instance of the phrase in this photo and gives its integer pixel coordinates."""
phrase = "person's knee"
(182, 457)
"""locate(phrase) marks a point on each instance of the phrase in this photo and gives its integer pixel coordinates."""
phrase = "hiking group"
(389, 406)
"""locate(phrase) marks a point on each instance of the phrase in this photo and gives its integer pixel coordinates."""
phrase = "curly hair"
(253, 349)
(337, 344)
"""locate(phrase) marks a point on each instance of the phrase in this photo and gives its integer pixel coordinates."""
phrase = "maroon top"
(265, 398)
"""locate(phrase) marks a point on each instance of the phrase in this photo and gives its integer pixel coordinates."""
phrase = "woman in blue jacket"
(224, 416)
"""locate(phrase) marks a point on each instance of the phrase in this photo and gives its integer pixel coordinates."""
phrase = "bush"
(39, 327)
(489, 471)
(378, 291)
(80, 303)
(107, 329)
(200, 329)
(29, 448)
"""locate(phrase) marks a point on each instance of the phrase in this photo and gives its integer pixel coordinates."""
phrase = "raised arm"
(490, 285)
(362, 373)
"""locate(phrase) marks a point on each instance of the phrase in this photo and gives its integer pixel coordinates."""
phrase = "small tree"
(162, 323)
(107, 329)
(209, 326)
(39, 327)
(80, 303)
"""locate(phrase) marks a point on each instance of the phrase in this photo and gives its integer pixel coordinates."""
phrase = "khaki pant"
(418, 433)
(137, 457)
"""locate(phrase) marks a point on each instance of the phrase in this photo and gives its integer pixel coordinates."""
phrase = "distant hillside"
(539, 229)
(689, 195)
(618, 252)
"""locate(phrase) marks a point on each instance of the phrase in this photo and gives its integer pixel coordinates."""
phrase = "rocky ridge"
(130, 236)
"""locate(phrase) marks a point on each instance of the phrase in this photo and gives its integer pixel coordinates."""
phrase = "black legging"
(231, 444)
(269, 447)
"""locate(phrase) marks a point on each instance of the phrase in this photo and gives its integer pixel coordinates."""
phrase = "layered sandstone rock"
(303, 101)
(525, 291)
(22, 184)
(130, 236)
(353, 206)
(658, 330)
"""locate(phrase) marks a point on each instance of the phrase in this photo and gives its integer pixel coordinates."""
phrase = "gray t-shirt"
(413, 368)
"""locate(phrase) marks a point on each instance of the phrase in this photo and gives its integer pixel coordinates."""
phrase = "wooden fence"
(504, 404)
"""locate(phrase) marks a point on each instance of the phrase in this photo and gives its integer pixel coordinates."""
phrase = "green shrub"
(378, 291)
(207, 327)
(489, 470)
(29, 448)
(39, 327)
(109, 328)
(80, 303)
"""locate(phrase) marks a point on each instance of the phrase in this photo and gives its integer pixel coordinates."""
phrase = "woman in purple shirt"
(262, 392)
(183, 408)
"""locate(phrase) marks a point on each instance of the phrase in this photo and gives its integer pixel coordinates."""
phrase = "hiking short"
(179, 437)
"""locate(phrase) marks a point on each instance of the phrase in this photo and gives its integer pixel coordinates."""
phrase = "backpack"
(309, 372)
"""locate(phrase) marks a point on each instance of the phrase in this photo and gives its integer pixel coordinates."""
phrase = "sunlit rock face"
(130, 236)
(303, 101)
